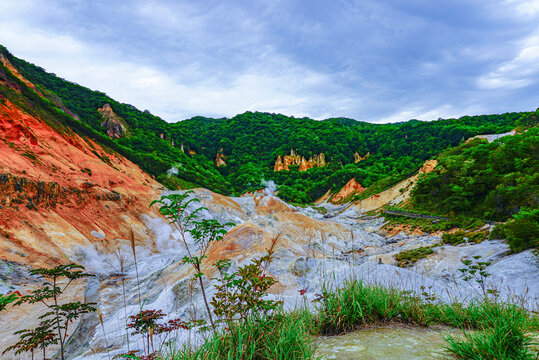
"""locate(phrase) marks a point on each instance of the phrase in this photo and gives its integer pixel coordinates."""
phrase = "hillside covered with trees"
(495, 181)
(251, 142)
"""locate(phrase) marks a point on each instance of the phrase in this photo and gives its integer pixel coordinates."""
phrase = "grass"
(504, 339)
(280, 336)
(499, 329)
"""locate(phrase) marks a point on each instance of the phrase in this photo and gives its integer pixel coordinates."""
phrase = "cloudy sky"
(371, 60)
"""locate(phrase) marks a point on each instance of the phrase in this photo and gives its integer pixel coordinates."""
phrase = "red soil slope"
(57, 189)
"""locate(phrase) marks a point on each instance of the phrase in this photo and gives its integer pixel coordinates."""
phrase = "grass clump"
(279, 336)
(409, 257)
(502, 337)
(356, 304)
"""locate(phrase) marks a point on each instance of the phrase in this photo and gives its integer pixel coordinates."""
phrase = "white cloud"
(517, 73)
(420, 113)
(527, 8)
(272, 83)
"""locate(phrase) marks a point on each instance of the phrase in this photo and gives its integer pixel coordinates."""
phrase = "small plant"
(426, 295)
(147, 324)
(241, 294)
(7, 299)
(409, 257)
(54, 324)
(30, 155)
(87, 171)
(204, 232)
(476, 270)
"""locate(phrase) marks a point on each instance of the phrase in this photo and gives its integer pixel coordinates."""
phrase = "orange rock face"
(351, 188)
(283, 163)
(428, 166)
(220, 159)
(60, 192)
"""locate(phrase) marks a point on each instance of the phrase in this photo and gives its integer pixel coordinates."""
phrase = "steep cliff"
(396, 194)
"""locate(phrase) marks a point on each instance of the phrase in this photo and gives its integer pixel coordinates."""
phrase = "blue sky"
(377, 61)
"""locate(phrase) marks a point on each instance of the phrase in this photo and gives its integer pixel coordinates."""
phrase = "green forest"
(496, 181)
(252, 141)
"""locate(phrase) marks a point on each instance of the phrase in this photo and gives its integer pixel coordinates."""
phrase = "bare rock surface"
(313, 250)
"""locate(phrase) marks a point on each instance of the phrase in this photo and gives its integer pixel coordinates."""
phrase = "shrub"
(54, 323)
(409, 257)
(459, 237)
(523, 231)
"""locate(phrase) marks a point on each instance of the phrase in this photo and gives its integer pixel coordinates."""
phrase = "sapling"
(476, 270)
(54, 323)
(241, 294)
(204, 232)
(147, 323)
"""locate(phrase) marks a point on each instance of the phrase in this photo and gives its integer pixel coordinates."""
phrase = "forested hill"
(495, 181)
(251, 142)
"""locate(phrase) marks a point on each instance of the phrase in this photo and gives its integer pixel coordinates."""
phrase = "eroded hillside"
(59, 191)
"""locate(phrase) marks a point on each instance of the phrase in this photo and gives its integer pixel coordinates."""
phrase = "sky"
(370, 60)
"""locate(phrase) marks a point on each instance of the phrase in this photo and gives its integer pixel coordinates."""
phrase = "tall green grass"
(279, 336)
(498, 330)
(505, 340)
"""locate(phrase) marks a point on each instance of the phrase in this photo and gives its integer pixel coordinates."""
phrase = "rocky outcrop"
(283, 163)
(358, 158)
(113, 124)
(351, 188)
(220, 158)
